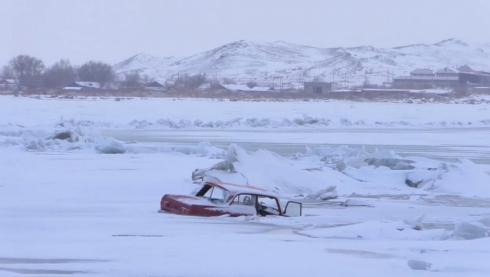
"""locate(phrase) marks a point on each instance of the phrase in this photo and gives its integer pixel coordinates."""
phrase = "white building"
(8, 84)
(77, 86)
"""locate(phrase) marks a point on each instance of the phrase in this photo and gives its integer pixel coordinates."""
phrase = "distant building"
(446, 72)
(475, 77)
(154, 85)
(7, 84)
(77, 86)
(465, 68)
(317, 87)
(444, 78)
(247, 88)
(422, 72)
(480, 90)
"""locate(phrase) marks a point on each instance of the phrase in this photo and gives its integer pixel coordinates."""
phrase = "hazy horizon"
(113, 30)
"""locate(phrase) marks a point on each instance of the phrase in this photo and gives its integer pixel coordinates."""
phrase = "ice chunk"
(35, 145)
(419, 265)
(416, 224)
(325, 194)
(415, 179)
(226, 166)
(466, 230)
(391, 163)
(420, 177)
(355, 203)
(66, 135)
(485, 221)
(110, 146)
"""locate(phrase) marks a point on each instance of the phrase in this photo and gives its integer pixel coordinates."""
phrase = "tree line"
(31, 73)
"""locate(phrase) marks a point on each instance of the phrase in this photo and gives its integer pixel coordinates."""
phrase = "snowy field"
(389, 189)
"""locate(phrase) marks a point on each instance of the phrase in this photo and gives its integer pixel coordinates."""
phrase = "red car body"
(217, 198)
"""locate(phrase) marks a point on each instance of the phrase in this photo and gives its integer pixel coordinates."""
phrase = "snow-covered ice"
(80, 185)
(173, 113)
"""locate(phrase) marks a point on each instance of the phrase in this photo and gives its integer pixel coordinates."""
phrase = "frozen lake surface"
(68, 208)
(96, 215)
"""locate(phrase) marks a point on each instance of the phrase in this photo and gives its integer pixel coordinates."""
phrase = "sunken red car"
(216, 198)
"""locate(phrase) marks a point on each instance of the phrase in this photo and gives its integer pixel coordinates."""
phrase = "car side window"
(244, 199)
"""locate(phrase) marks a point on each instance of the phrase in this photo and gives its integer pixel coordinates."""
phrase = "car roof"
(236, 189)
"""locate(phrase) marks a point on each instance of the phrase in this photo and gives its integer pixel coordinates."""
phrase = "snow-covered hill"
(290, 64)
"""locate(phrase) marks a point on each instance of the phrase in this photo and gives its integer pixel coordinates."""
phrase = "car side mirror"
(293, 209)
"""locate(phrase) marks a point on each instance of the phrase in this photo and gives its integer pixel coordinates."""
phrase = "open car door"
(293, 208)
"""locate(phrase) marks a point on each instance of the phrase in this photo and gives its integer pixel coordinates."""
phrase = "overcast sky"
(112, 30)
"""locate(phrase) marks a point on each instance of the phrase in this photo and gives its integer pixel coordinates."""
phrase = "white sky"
(112, 30)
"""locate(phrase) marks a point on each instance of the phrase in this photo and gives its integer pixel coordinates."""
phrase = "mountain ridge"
(242, 61)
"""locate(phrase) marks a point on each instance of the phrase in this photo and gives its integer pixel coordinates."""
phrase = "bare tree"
(7, 73)
(145, 79)
(190, 81)
(251, 84)
(27, 70)
(229, 81)
(132, 80)
(59, 75)
(96, 72)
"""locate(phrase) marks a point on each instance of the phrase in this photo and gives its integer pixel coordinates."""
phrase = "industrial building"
(444, 78)
(317, 87)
